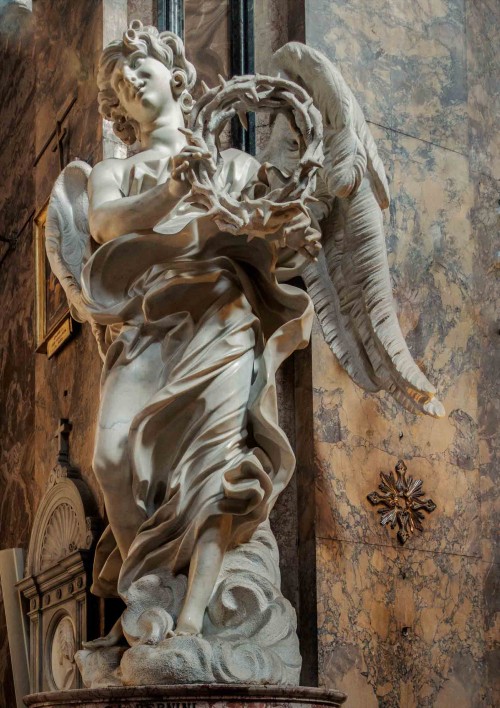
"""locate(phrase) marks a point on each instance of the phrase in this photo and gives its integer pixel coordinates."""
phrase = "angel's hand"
(182, 163)
(300, 236)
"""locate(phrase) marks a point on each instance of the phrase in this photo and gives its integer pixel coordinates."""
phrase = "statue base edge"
(188, 696)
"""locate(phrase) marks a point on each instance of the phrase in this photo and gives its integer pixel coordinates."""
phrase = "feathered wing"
(68, 239)
(350, 283)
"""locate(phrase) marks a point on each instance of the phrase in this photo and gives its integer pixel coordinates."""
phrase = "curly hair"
(167, 48)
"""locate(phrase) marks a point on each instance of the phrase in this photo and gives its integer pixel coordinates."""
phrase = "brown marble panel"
(18, 115)
(284, 515)
(490, 576)
(483, 71)
(271, 32)
(405, 60)
(483, 67)
(18, 490)
(400, 628)
(345, 480)
(68, 44)
(67, 386)
(207, 37)
(207, 40)
(69, 40)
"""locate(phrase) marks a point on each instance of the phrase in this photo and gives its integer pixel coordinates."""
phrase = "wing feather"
(348, 141)
(68, 239)
(350, 283)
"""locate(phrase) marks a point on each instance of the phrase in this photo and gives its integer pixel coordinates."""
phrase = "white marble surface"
(184, 287)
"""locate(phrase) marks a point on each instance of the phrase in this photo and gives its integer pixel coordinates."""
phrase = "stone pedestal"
(194, 696)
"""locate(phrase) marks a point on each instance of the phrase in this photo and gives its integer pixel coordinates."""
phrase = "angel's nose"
(130, 76)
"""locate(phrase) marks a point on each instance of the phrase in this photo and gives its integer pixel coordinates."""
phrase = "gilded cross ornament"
(402, 498)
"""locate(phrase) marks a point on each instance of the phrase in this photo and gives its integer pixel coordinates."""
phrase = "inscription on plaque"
(63, 332)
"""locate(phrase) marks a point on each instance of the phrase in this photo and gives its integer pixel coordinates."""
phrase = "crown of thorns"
(247, 212)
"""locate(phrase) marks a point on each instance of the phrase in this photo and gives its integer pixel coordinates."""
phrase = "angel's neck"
(164, 134)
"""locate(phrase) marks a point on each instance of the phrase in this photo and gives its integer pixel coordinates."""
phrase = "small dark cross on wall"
(62, 434)
(60, 135)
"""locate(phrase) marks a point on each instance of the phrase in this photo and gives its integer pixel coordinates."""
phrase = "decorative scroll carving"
(61, 535)
(62, 522)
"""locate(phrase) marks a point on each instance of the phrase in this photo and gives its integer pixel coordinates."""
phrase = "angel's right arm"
(112, 215)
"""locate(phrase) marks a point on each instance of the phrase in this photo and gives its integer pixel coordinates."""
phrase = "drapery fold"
(199, 314)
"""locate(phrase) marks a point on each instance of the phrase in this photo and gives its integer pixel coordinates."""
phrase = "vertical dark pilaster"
(306, 517)
(296, 21)
(242, 62)
(170, 16)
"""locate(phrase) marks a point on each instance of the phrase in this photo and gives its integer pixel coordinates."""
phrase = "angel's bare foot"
(112, 639)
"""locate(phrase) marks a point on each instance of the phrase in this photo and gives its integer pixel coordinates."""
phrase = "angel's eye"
(136, 62)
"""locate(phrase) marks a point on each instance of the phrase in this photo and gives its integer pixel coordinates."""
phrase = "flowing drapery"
(188, 426)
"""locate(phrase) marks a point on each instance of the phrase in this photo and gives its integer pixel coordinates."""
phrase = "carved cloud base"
(249, 631)
(195, 696)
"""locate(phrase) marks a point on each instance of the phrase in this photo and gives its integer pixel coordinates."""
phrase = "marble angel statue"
(178, 257)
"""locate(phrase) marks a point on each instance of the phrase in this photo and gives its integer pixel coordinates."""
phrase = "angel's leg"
(126, 389)
(204, 569)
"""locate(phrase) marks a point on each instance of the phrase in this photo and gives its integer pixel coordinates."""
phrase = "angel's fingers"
(190, 150)
(314, 247)
(194, 151)
(305, 252)
(180, 169)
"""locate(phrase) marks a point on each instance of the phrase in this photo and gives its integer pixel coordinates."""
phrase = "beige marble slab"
(483, 71)
(432, 252)
(405, 60)
(400, 628)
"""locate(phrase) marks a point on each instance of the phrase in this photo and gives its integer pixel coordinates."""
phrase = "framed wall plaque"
(54, 325)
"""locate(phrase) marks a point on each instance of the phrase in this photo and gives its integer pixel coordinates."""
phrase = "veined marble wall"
(47, 57)
(69, 40)
(17, 374)
(415, 626)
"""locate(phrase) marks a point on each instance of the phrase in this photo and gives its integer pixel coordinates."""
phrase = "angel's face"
(143, 86)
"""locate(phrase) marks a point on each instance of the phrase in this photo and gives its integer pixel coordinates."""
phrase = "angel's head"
(140, 76)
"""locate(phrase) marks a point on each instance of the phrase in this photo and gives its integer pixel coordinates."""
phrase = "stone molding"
(56, 588)
(193, 696)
